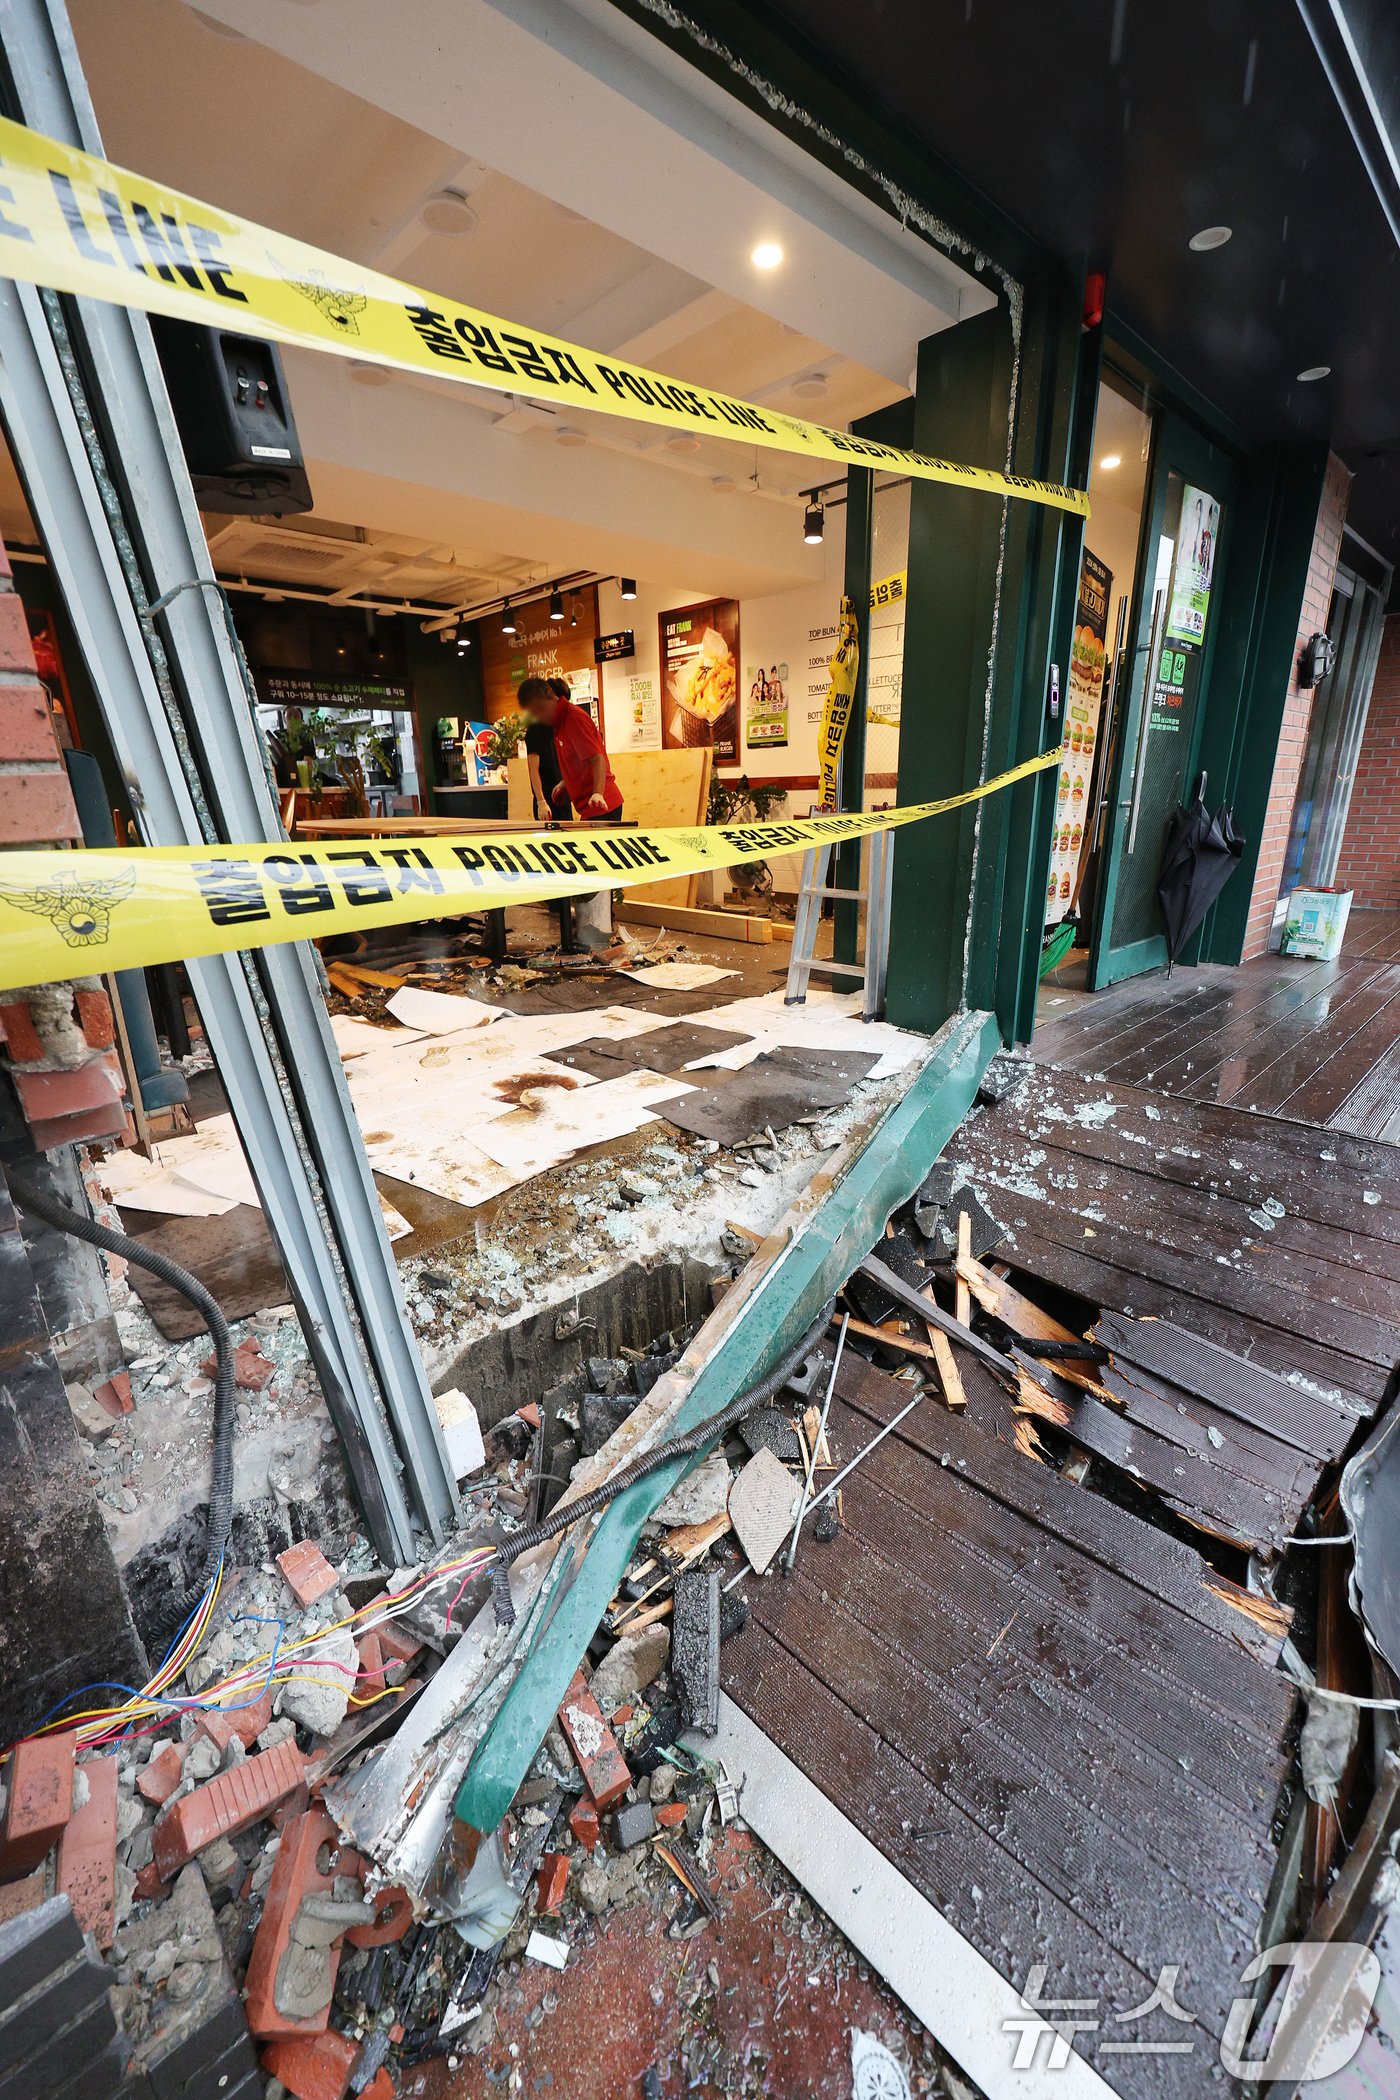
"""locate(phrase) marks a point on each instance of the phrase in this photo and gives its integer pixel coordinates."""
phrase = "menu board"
(1193, 566)
(699, 646)
(541, 648)
(1088, 664)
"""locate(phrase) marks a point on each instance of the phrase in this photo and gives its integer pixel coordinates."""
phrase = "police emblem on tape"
(78, 907)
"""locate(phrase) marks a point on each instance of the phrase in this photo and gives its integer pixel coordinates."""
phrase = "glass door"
(1161, 692)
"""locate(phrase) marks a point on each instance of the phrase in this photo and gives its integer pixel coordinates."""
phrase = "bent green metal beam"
(825, 1243)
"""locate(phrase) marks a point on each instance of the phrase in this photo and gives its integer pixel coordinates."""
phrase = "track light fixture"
(556, 605)
(507, 619)
(628, 586)
(813, 521)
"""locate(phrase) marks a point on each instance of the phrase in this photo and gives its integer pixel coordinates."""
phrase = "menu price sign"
(1088, 664)
(699, 647)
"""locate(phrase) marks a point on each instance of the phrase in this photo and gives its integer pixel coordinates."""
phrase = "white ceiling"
(616, 198)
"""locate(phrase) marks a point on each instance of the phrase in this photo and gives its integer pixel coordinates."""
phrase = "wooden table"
(432, 827)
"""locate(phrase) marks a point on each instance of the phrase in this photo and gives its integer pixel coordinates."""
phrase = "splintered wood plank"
(1353, 1384)
(1165, 1569)
(949, 1376)
(1267, 1295)
(962, 1301)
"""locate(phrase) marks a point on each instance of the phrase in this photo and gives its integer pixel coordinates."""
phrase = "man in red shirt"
(586, 777)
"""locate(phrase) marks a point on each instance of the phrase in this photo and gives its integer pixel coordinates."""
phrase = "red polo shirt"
(576, 744)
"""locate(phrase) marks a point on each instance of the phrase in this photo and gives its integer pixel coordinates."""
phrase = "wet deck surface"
(1316, 1042)
(1042, 1706)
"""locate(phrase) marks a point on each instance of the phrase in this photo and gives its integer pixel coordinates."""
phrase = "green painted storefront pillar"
(961, 411)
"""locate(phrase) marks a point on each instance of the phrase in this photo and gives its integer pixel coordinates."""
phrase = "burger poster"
(700, 678)
(1088, 664)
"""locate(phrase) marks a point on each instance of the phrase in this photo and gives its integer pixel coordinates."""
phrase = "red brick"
(26, 727)
(161, 1774)
(671, 1814)
(396, 1644)
(22, 1038)
(393, 1914)
(380, 2087)
(245, 1722)
(529, 1414)
(296, 1874)
(115, 1395)
(308, 1574)
(16, 649)
(95, 1019)
(37, 809)
(251, 1369)
(40, 1782)
(50, 1094)
(87, 1853)
(584, 1821)
(19, 1896)
(594, 1745)
(149, 1882)
(550, 1881)
(92, 1123)
(227, 1804)
(313, 2067)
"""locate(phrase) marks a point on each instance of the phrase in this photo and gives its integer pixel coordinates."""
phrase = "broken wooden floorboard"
(1068, 1750)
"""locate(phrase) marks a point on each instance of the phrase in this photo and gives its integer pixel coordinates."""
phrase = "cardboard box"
(1315, 924)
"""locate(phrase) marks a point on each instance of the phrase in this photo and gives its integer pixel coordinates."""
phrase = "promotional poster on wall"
(766, 706)
(1193, 566)
(1088, 664)
(640, 726)
(699, 647)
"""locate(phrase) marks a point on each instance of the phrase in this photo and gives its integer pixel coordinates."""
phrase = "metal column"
(94, 440)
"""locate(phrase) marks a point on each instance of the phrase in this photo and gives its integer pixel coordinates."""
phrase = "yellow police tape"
(75, 914)
(836, 708)
(75, 223)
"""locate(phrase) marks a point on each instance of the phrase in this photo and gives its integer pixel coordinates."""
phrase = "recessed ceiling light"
(567, 434)
(1210, 237)
(766, 256)
(367, 374)
(812, 387)
(1312, 372)
(448, 212)
(682, 442)
(1109, 461)
(723, 482)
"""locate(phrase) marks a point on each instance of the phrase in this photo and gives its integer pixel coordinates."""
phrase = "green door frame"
(1177, 447)
(988, 907)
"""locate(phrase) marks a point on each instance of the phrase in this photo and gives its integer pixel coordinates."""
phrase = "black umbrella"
(1202, 852)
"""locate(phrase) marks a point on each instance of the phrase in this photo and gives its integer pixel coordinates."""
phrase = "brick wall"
(1293, 735)
(1370, 862)
(58, 1040)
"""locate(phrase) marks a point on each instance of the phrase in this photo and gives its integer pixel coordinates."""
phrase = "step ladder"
(816, 867)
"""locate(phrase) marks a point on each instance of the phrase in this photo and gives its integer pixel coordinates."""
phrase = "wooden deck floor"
(1317, 1042)
(1042, 1706)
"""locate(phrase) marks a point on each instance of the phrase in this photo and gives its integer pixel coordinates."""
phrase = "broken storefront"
(746, 1546)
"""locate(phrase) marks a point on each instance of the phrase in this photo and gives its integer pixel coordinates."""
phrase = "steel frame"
(93, 437)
